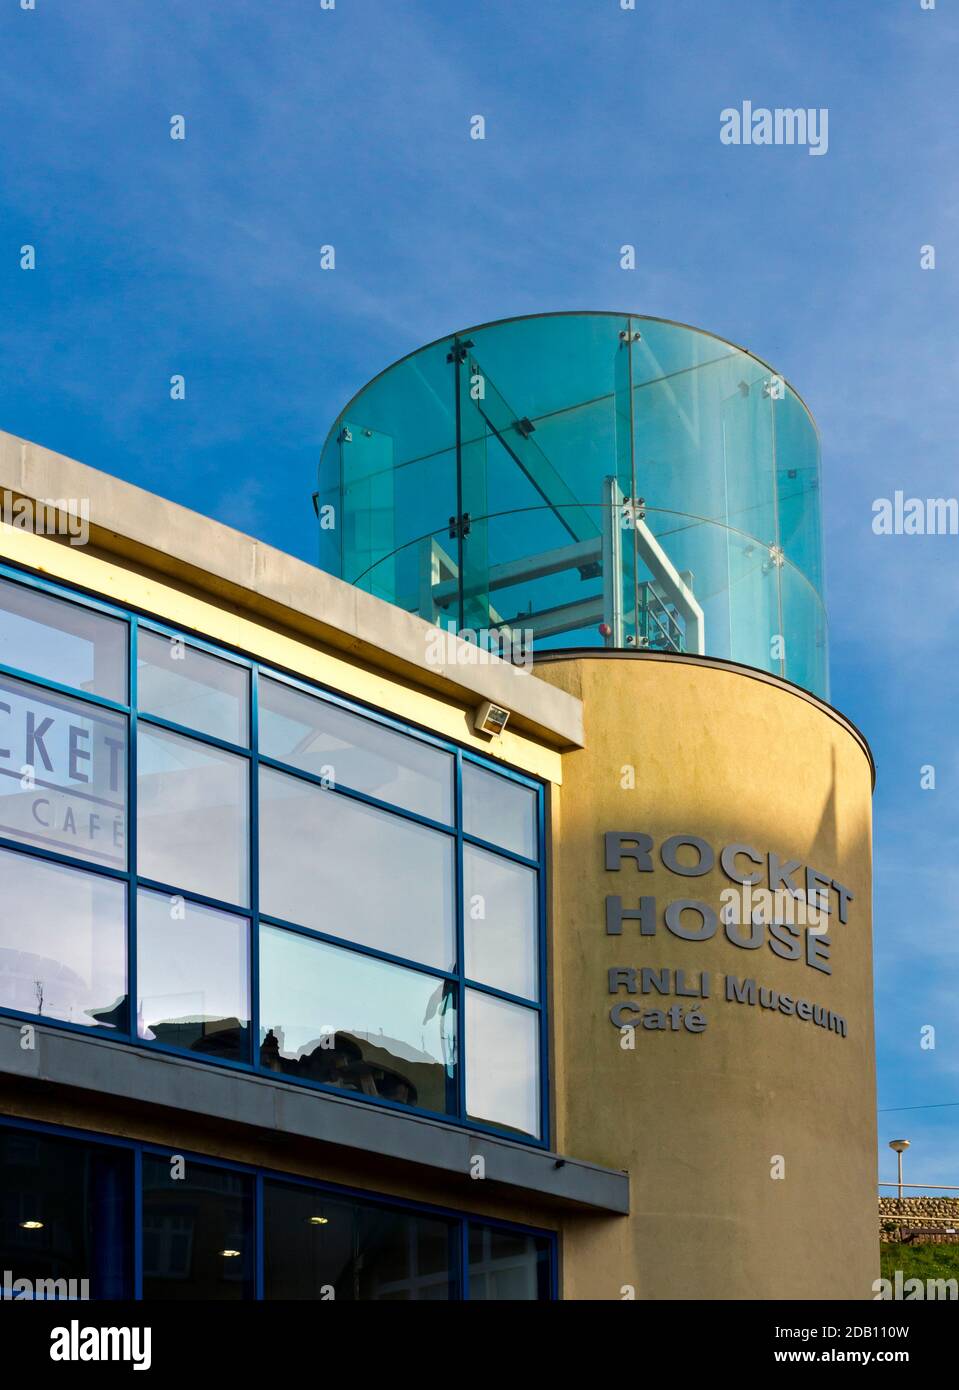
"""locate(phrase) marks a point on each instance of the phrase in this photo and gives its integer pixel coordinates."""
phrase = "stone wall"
(918, 1213)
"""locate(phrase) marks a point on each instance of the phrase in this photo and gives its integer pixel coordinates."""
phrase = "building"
(484, 913)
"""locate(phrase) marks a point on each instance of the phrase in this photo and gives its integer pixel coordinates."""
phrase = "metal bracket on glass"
(634, 510)
(459, 527)
(612, 555)
(458, 353)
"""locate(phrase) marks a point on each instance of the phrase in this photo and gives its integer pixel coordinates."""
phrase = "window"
(63, 949)
(193, 976)
(63, 642)
(66, 1215)
(192, 815)
(63, 774)
(351, 870)
(70, 1211)
(499, 810)
(351, 1021)
(402, 1258)
(500, 922)
(314, 889)
(319, 737)
(323, 1249)
(197, 1231)
(502, 1063)
(310, 1245)
(184, 685)
(507, 1265)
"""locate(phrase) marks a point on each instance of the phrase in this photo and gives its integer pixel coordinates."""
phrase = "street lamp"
(900, 1146)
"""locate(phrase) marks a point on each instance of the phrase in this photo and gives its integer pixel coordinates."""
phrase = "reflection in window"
(62, 942)
(507, 1265)
(66, 1213)
(500, 916)
(502, 1063)
(324, 1248)
(197, 1232)
(499, 810)
(64, 642)
(309, 1244)
(351, 870)
(187, 686)
(385, 879)
(334, 1016)
(402, 1258)
(347, 750)
(192, 815)
(63, 774)
(193, 986)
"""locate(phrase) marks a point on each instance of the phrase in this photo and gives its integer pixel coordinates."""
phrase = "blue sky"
(349, 127)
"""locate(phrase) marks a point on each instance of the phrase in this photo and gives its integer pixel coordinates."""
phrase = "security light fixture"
(490, 719)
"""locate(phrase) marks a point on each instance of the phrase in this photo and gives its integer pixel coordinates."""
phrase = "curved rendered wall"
(749, 1132)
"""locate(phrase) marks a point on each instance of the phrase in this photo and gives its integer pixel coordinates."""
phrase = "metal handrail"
(925, 1186)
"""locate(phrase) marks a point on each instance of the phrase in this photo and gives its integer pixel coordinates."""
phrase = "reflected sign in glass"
(63, 774)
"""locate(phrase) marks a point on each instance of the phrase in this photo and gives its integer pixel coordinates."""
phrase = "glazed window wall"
(597, 480)
(211, 857)
(143, 1222)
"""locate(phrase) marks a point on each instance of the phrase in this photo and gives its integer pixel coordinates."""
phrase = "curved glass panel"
(580, 480)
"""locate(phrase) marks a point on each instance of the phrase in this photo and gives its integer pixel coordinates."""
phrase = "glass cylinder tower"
(580, 480)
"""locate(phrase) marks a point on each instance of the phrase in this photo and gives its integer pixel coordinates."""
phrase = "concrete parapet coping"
(149, 532)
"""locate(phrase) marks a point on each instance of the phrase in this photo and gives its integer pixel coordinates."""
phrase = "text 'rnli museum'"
(484, 914)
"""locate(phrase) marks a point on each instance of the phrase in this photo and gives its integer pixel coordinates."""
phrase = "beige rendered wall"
(703, 1120)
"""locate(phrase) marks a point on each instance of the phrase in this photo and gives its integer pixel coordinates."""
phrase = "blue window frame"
(351, 850)
(149, 1222)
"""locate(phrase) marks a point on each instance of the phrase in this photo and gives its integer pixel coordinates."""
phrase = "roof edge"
(140, 528)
